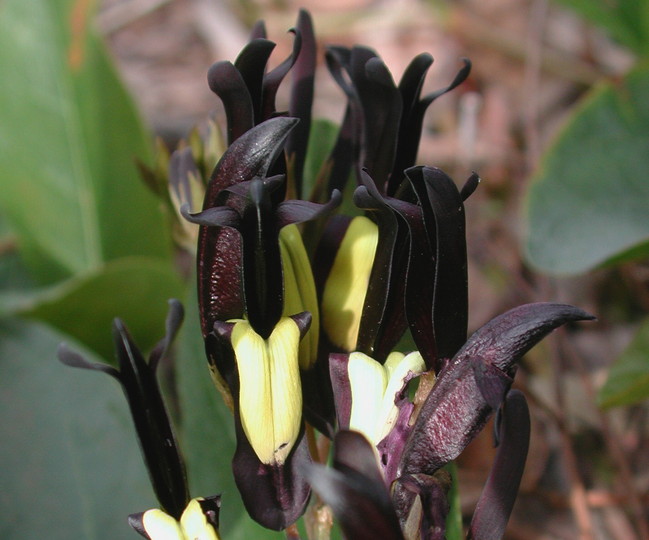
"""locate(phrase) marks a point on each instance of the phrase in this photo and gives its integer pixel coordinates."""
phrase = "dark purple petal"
(302, 321)
(136, 521)
(220, 290)
(249, 156)
(443, 217)
(357, 496)
(456, 409)
(152, 425)
(262, 262)
(412, 81)
(353, 453)
(157, 441)
(251, 63)
(419, 281)
(72, 358)
(460, 77)
(450, 304)
(382, 105)
(383, 320)
(332, 235)
(258, 31)
(338, 369)
(302, 98)
(503, 340)
(470, 186)
(226, 82)
(217, 216)
(499, 494)
(432, 491)
(492, 382)
(274, 495)
(345, 156)
(297, 211)
(408, 139)
(413, 118)
(181, 167)
(173, 322)
(275, 77)
(392, 445)
(211, 507)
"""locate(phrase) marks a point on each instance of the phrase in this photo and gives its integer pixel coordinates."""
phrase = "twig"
(292, 532)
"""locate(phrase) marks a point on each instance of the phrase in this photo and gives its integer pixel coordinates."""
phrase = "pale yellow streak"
(160, 525)
(270, 395)
(346, 286)
(195, 524)
(299, 290)
(374, 388)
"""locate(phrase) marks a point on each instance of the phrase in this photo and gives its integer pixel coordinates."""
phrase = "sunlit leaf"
(68, 138)
(133, 288)
(71, 467)
(628, 380)
(589, 201)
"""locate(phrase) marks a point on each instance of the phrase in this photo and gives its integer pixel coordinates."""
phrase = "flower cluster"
(315, 317)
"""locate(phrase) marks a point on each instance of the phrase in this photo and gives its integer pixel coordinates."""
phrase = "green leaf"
(589, 201)
(628, 379)
(627, 21)
(68, 138)
(134, 289)
(71, 467)
(322, 139)
(454, 529)
(207, 433)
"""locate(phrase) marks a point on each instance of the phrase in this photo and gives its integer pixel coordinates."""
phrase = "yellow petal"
(346, 286)
(195, 525)
(367, 380)
(161, 526)
(397, 367)
(374, 388)
(299, 290)
(270, 396)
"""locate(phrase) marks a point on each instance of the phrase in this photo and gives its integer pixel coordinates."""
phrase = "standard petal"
(219, 262)
(503, 340)
(456, 408)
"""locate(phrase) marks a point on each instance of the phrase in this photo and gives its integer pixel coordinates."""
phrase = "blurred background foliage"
(554, 118)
